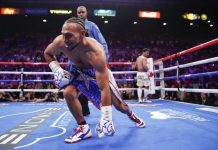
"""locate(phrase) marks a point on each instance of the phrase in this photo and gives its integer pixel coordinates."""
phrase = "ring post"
(21, 84)
(162, 81)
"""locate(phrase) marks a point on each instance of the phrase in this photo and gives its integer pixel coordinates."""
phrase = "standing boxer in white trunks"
(143, 81)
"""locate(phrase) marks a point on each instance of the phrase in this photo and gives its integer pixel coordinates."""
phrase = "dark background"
(127, 13)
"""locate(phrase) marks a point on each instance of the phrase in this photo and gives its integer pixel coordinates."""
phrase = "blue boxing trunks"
(85, 81)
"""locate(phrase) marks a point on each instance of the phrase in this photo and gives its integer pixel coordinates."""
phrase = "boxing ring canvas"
(170, 125)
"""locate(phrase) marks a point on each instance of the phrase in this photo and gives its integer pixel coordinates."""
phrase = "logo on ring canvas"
(164, 114)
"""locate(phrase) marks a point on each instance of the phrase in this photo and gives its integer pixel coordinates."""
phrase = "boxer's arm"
(98, 61)
(103, 82)
(144, 64)
(105, 126)
(134, 65)
(49, 54)
(52, 50)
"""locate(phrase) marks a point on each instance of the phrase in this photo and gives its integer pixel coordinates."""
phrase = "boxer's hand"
(61, 76)
(105, 128)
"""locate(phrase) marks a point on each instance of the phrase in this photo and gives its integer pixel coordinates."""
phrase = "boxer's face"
(72, 35)
(146, 53)
(82, 12)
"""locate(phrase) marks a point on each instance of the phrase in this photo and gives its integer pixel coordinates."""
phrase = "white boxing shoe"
(80, 133)
(138, 121)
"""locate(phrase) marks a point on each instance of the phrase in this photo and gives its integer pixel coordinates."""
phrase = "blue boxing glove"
(61, 77)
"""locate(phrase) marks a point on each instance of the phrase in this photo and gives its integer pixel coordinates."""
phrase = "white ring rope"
(120, 89)
(205, 61)
(124, 72)
(120, 72)
(55, 90)
(28, 73)
(30, 90)
(51, 73)
(191, 90)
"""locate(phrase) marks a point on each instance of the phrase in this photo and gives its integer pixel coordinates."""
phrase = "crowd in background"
(29, 48)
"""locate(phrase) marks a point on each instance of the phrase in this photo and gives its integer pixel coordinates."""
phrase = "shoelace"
(77, 130)
(134, 118)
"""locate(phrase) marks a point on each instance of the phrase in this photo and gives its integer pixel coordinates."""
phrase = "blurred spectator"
(29, 48)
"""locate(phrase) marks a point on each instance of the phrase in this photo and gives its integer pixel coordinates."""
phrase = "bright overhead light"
(164, 23)
(211, 25)
(191, 24)
(105, 21)
(135, 22)
(44, 20)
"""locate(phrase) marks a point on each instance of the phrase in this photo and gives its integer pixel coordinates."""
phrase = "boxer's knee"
(70, 93)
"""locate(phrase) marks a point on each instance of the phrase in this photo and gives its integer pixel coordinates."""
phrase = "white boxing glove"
(61, 76)
(105, 127)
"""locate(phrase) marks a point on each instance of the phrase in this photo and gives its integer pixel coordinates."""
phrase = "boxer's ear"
(83, 32)
(86, 34)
